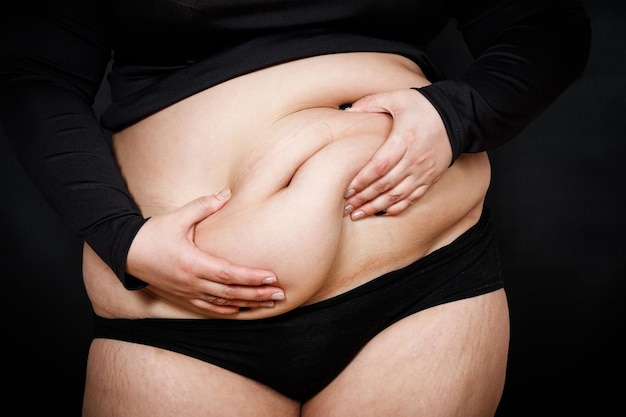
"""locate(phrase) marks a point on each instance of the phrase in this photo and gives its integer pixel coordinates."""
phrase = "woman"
(397, 314)
(288, 166)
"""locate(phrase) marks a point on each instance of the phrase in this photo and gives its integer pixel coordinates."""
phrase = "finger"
(215, 308)
(218, 270)
(202, 207)
(383, 161)
(250, 294)
(373, 191)
(376, 206)
(216, 301)
(403, 204)
(228, 306)
(251, 291)
(392, 187)
(392, 202)
(372, 103)
(372, 175)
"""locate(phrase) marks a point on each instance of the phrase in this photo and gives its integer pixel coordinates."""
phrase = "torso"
(277, 138)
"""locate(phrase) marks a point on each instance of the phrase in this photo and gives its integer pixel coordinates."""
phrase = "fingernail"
(278, 296)
(223, 194)
(358, 214)
(348, 209)
(267, 304)
(269, 280)
(349, 193)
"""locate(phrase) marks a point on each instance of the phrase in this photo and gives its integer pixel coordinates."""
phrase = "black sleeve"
(53, 57)
(527, 52)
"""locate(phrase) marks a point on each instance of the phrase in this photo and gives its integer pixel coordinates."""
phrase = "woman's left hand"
(414, 156)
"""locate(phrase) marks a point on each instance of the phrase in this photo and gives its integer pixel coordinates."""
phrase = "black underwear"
(300, 352)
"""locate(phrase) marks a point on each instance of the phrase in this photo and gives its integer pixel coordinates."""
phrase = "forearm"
(46, 111)
(527, 53)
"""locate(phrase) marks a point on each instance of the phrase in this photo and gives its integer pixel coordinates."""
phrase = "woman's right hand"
(164, 255)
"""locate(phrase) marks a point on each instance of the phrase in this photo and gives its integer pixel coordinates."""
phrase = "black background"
(557, 196)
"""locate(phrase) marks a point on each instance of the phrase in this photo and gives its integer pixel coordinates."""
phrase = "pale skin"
(283, 155)
(414, 156)
(184, 270)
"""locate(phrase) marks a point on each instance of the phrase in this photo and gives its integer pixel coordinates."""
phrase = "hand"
(412, 159)
(164, 255)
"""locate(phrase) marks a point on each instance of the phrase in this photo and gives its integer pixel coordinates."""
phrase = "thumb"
(202, 207)
(372, 103)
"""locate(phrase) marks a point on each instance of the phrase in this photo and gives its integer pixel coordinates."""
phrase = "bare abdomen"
(288, 154)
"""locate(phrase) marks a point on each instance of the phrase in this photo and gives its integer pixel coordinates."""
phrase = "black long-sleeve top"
(54, 55)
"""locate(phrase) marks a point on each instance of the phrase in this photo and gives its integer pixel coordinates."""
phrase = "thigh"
(126, 379)
(447, 361)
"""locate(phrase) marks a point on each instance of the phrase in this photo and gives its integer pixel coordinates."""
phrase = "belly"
(277, 138)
